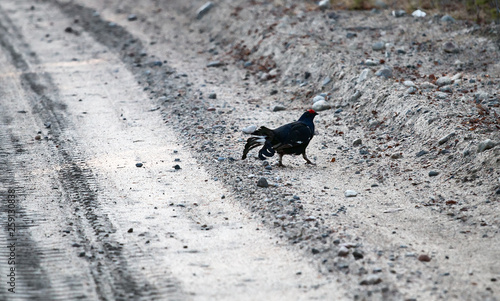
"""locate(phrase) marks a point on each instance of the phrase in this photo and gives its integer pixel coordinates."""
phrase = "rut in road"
(106, 263)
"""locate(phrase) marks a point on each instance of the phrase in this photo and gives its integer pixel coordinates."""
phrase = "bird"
(289, 139)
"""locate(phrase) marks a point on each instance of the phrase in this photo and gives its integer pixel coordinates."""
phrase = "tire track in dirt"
(104, 254)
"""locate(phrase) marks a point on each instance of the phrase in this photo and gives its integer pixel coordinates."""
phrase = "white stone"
(419, 14)
(249, 129)
(350, 193)
(321, 106)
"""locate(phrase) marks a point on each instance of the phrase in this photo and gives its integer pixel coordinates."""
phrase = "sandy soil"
(123, 83)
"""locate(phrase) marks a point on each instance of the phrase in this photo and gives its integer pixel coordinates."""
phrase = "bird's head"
(308, 115)
(311, 111)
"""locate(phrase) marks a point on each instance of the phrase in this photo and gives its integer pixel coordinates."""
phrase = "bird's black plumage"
(289, 139)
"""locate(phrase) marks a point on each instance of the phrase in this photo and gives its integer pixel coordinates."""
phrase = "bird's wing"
(297, 134)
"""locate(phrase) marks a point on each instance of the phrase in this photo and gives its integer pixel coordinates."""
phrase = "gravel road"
(121, 140)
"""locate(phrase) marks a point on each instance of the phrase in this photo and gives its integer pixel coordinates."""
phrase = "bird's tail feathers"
(263, 131)
(252, 143)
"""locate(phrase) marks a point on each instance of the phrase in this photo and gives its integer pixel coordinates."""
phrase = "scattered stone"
(132, 17)
(365, 74)
(357, 254)
(397, 156)
(212, 96)
(318, 98)
(38, 137)
(47, 124)
(378, 46)
(350, 193)
(385, 72)
(441, 95)
(457, 76)
(321, 105)
(343, 251)
(427, 85)
(326, 81)
(355, 96)
(447, 18)
(449, 47)
(433, 173)
(214, 64)
(444, 81)
(278, 108)
(370, 63)
(484, 145)
(445, 139)
(401, 51)
(249, 129)
(446, 89)
(357, 142)
(274, 92)
(481, 95)
(351, 35)
(138, 164)
(177, 167)
(203, 10)
(418, 14)
(409, 83)
(262, 183)
(324, 4)
(130, 230)
(371, 280)
(314, 251)
(421, 153)
(411, 90)
(398, 13)
(424, 258)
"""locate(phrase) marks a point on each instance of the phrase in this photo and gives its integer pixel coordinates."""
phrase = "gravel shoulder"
(414, 146)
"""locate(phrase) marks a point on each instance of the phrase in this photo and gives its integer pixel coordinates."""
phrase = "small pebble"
(433, 173)
(424, 258)
(350, 193)
(214, 64)
(176, 167)
(262, 183)
(447, 18)
(204, 9)
(357, 142)
(249, 129)
(278, 108)
(444, 81)
(212, 96)
(384, 72)
(371, 280)
(449, 47)
(446, 138)
(343, 251)
(138, 164)
(398, 13)
(378, 46)
(321, 105)
(132, 17)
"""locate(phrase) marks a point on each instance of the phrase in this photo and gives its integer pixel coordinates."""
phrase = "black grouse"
(289, 139)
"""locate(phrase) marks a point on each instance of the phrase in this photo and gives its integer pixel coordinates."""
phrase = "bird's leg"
(307, 159)
(280, 162)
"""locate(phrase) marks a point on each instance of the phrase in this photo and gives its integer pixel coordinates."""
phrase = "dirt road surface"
(121, 141)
